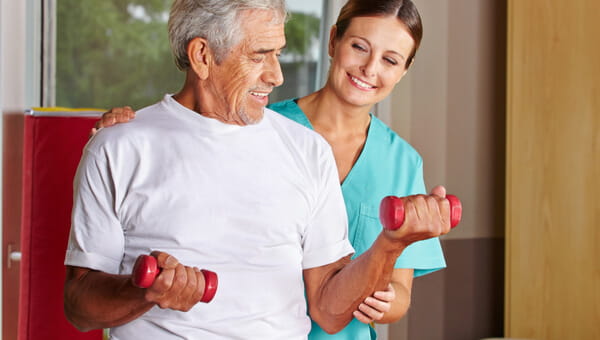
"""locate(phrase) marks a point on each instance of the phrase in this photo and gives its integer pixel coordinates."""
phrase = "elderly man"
(211, 178)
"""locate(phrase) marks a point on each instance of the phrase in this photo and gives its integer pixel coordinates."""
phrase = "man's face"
(238, 88)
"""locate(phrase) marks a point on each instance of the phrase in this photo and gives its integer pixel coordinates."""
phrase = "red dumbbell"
(146, 269)
(391, 211)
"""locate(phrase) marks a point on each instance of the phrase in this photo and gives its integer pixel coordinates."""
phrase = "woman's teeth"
(361, 83)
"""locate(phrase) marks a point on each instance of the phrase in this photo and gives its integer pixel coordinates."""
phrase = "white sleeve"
(96, 240)
(326, 237)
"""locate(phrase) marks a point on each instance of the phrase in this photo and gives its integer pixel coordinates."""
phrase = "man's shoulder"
(285, 107)
(290, 109)
(146, 119)
(293, 129)
(283, 121)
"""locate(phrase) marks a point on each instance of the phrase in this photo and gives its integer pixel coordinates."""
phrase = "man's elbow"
(329, 322)
(76, 315)
(78, 323)
(332, 329)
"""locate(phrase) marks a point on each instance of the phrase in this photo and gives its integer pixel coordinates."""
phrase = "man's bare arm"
(336, 290)
(93, 299)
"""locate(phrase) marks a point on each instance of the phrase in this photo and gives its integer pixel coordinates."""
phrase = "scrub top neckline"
(362, 152)
(362, 155)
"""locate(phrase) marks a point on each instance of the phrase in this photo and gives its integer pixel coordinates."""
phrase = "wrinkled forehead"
(275, 16)
(263, 27)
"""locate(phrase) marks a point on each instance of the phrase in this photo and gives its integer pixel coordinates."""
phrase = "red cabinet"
(41, 154)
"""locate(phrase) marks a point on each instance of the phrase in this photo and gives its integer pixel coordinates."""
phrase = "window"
(299, 62)
(116, 52)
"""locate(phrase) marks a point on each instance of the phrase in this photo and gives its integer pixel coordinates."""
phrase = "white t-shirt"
(256, 204)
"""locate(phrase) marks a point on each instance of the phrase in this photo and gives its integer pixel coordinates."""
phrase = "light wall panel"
(553, 170)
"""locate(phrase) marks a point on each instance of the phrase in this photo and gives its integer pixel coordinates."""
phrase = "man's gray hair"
(214, 20)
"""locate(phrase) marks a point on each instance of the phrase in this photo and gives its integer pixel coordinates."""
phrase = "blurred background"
(503, 103)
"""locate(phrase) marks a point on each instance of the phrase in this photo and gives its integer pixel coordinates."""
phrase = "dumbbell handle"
(145, 270)
(391, 211)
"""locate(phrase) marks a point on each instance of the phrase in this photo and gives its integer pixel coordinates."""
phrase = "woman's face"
(369, 59)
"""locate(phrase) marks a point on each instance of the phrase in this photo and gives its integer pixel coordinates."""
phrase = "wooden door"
(553, 170)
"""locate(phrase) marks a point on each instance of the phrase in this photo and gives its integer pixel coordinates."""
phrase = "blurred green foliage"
(115, 52)
(300, 31)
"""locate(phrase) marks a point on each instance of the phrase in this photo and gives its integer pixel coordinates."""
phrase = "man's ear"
(200, 57)
(331, 46)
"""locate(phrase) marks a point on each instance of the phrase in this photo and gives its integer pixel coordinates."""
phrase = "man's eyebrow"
(266, 51)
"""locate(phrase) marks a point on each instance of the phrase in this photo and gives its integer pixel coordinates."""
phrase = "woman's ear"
(331, 45)
(402, 76)
(412, 61)
(199, 56)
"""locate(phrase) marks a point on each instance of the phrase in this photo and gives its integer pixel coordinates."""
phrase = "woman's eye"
(391, 61)
(358, 47)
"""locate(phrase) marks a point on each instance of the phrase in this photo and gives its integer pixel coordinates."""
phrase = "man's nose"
(272, 73)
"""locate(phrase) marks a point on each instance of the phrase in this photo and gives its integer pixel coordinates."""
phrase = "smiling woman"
(115, 52)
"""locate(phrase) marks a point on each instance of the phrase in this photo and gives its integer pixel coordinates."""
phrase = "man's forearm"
(344, 289)
(94, 300)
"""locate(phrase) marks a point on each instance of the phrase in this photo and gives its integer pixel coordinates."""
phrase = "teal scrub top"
(387, 165)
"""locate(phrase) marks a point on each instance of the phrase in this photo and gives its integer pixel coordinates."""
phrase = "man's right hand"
(177, 286)
(94, 299)
(426, 216)
(114, 116)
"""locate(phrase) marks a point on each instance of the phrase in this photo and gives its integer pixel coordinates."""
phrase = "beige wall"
(451, 107)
